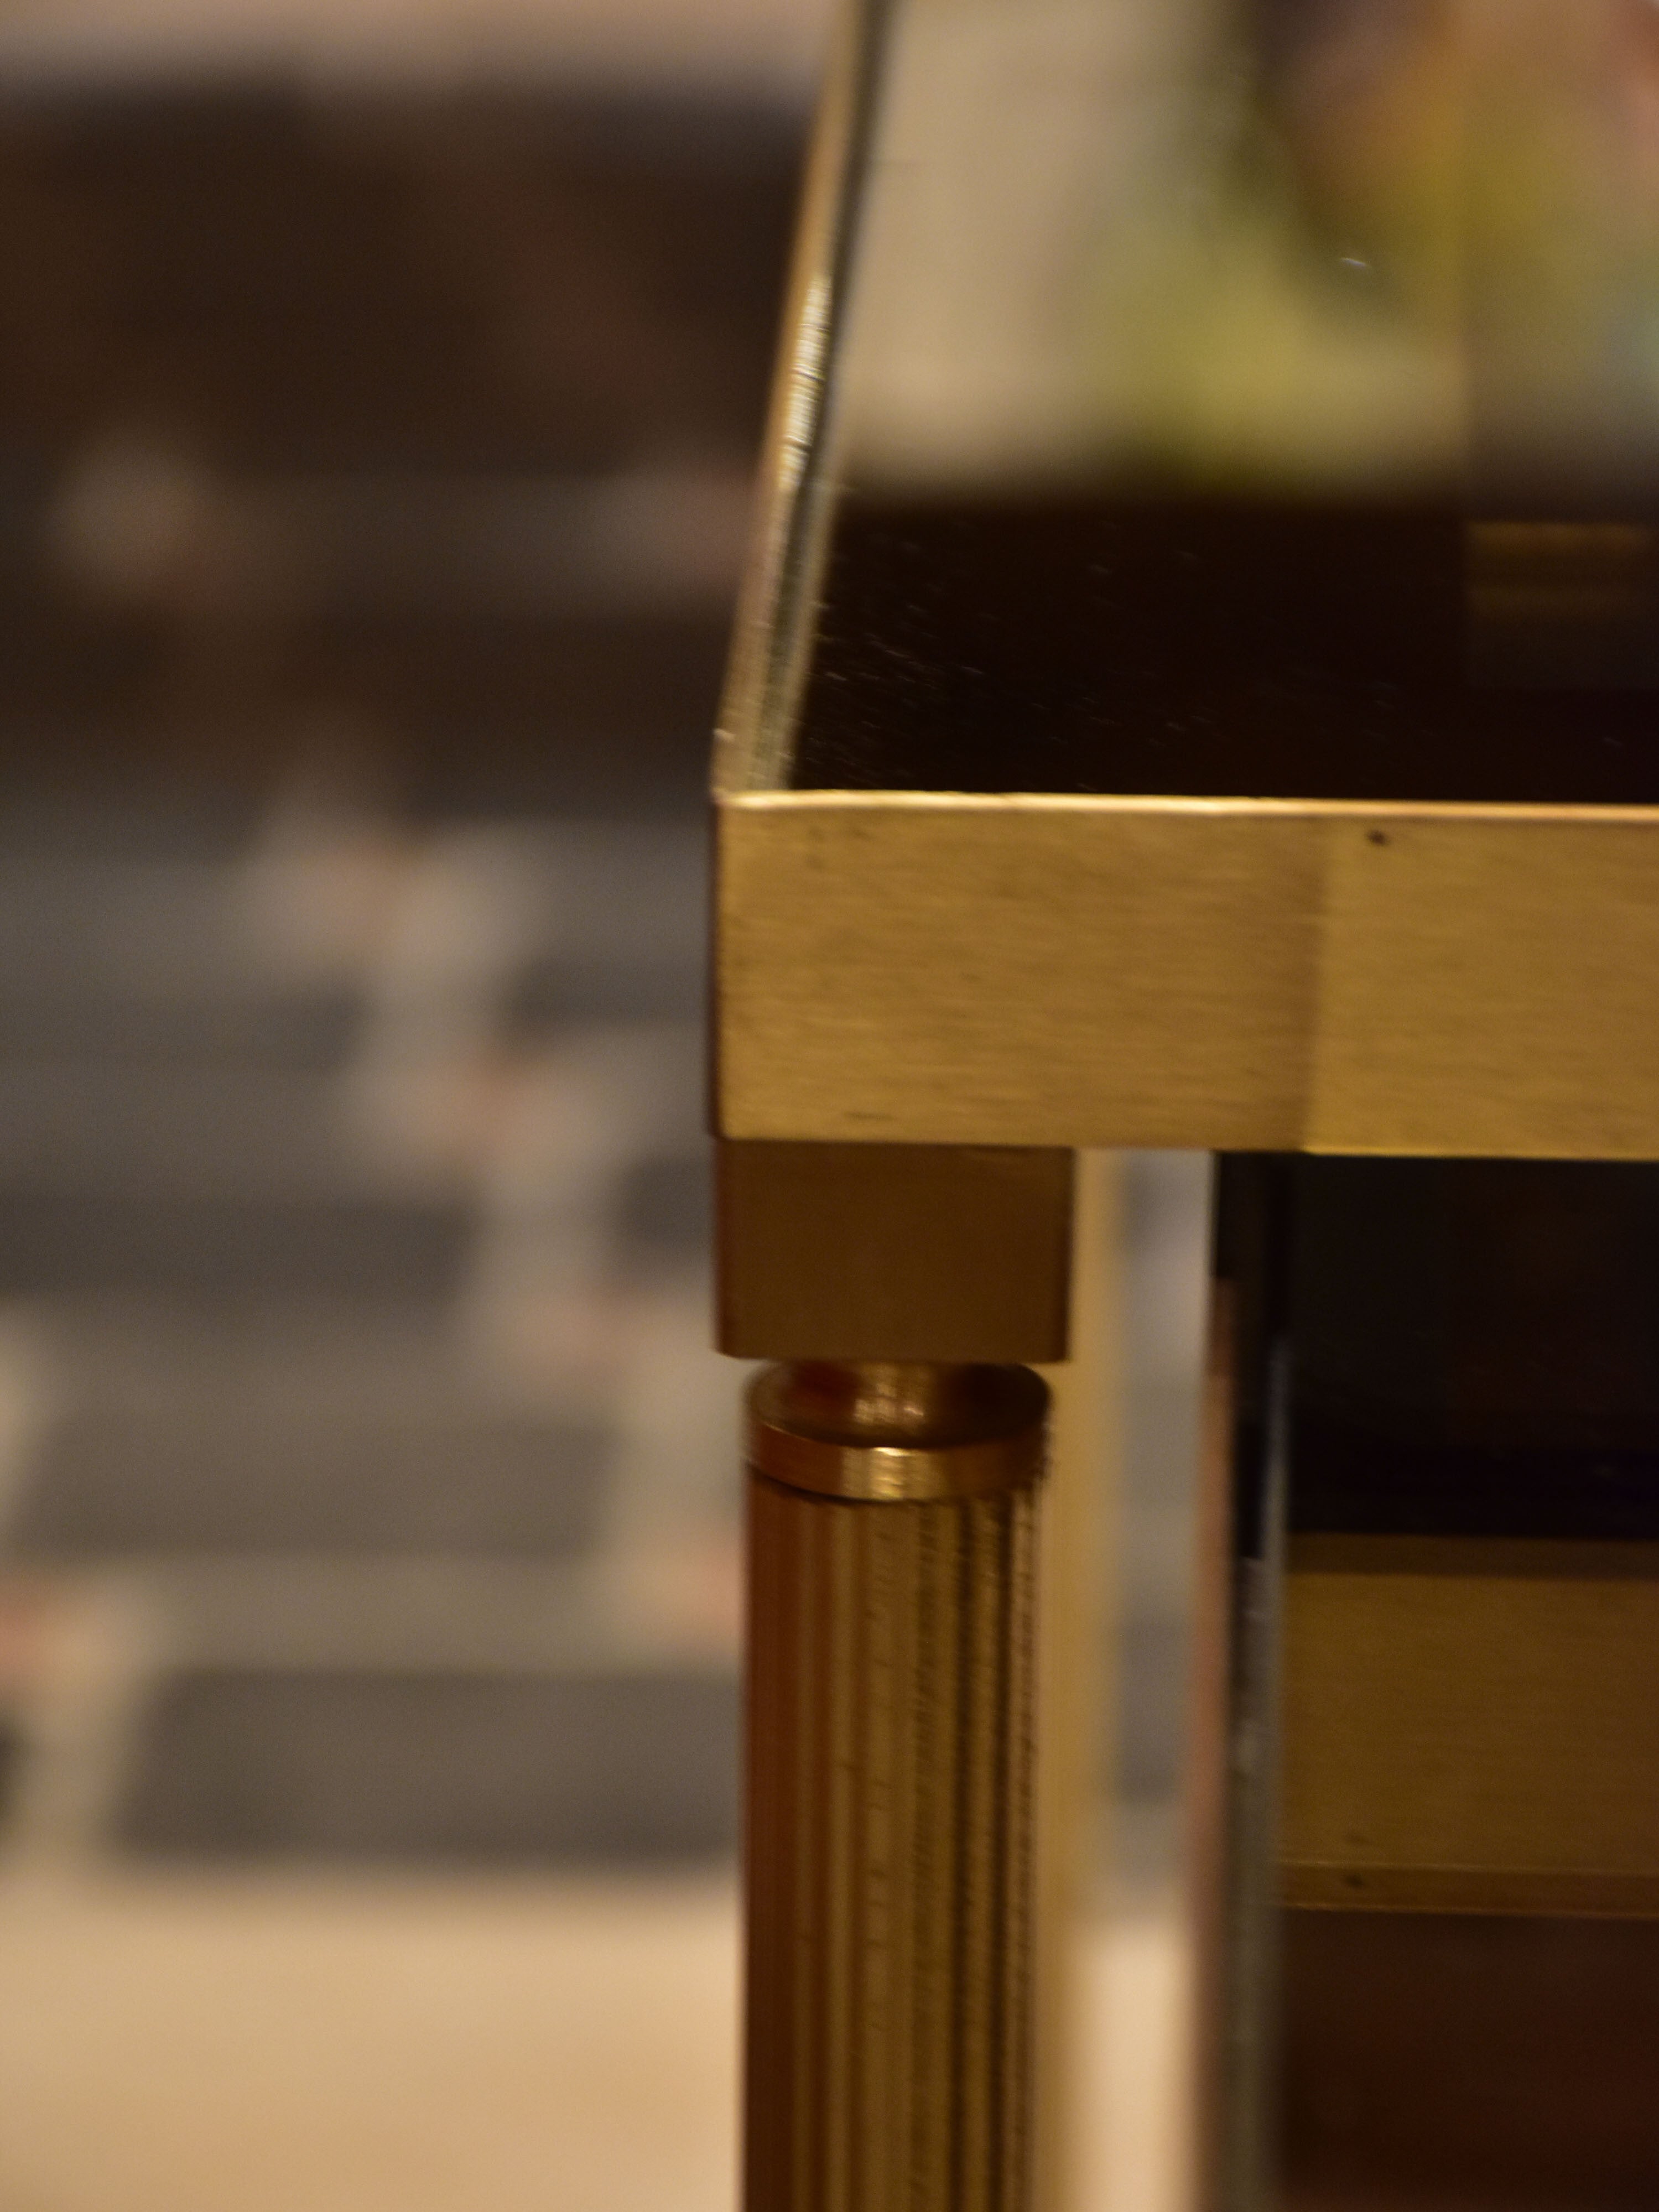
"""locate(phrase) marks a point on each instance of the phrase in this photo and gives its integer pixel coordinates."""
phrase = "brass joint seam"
(898, 1433)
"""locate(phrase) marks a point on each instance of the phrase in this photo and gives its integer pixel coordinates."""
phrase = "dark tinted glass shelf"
(1221, 649)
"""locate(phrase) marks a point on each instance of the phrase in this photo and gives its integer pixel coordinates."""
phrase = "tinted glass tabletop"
(1264, 407)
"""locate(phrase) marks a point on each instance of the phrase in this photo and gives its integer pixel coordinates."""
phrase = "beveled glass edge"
(778, 601)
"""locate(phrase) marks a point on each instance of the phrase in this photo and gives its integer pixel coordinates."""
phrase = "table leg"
(894, 1466)
(892, 1531)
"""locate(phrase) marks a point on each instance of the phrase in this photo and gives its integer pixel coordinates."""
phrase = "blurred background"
(380, 387)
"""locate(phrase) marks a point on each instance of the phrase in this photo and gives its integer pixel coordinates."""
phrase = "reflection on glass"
(1386, 272)
(1310, 243)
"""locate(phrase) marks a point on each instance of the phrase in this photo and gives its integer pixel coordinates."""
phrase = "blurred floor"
(192, 2046)
(370, 2045)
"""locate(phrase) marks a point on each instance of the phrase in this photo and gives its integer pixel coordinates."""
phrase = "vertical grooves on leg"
(890, 1752)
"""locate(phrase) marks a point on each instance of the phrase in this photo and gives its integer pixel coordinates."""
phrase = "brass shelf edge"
(1508, 1892)
(1272, 975)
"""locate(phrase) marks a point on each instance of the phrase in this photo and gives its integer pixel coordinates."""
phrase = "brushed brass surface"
(1228, 974)
(1471, 1727)
(889, 2029)
(957, 1253)
(1486, 985)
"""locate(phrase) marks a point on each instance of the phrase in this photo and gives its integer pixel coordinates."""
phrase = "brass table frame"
(1230, 974)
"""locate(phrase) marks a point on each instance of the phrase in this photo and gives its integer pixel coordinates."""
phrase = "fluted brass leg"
(889, 1866)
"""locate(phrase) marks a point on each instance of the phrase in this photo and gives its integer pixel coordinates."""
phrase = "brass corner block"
(949, 1253)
